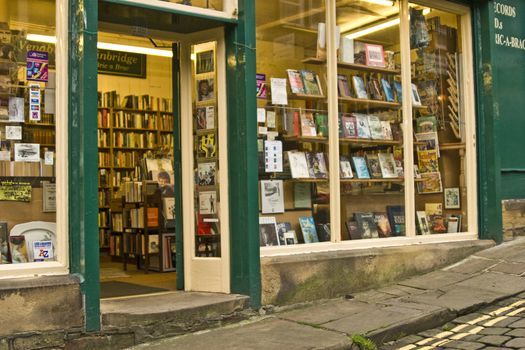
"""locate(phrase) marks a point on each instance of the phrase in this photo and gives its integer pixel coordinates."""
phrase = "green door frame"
(83, 161)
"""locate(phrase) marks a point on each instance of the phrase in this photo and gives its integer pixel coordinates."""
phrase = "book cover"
(431, 183)
(360, 168)
(262, 86)
(428, 161)
(308, 229)
(453, 222)
(321, 123)
(290, 237)
(207, 202)
(375, 89)
(296, 81)
(422, 223)
(452, 198)
(4, 243)
(437, 224)
(206, 146)
(302, 197)
(168, 208)
(308, 124)
(416, 100)
(363, 130)
(311, 83)
(153, 244)
(272, 196)
(429, 141)
(323, 232)
(383, 225)
(374, 55)
(396, 217)
(268, 232)
(353, 229)
(387, 89)
(387, 130)
(376, 129)
(316, 165)
(282, 229)
(388, 165)
(359, 87)
(374, 167)
(345, 168)
(340, 125)
(397, 133)
(426, 124)
(298, 165)
(342, 86)
(432, 209)
(152, 215)
(367, 225)
(349, 126)
(17, 246)
(399, 91)
(206, 174)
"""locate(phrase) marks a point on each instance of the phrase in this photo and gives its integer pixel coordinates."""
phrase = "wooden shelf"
(46, 144)
(307, 180)
(368, 142)
(398, 179)
(133, 129)
(306, 97)
(366, 103)
(134, 148)
(353, 66)
(317, 139)
(451, 146)
(46, 125)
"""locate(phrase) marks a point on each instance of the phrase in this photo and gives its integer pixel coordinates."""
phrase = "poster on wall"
(27, 152)
(16, 191)
(37, 64)
(49, 200)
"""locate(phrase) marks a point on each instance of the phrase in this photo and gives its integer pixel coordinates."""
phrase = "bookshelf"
(125, 137)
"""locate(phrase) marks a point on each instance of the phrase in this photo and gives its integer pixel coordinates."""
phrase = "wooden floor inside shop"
(115, 282)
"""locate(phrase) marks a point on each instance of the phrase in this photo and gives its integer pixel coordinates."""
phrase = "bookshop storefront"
(135, 153)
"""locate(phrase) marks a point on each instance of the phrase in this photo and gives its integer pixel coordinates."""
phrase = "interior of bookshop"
(136, 197)
(353, 145)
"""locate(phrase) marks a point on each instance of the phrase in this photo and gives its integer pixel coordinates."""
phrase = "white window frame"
(467, 79)
(61, 265)
(229, 12)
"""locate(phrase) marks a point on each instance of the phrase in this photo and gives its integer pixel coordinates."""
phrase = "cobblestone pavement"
(500, 326)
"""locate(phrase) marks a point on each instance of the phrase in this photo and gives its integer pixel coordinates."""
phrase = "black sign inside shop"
(126, 64)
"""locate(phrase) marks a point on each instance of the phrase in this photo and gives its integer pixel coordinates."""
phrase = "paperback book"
(387, 130)
(396, 217)
(272, 196)
(268, 231)
(308, 229)
(282, 229)
(375, 89)
(431, 183)
(308, 124)
(296, 81)
(387, 89)
(360, 167)
(383, 225)
(366, 225)
(388, 165)
(428, 161)
(422, 223)
(311, 82)
(399, 91)
(426, 124)
(359, 87)
(345, 168)
(321, 122)
(298, 164)
(349, 126)
(353, 229)
(376, 128)
(363, 130)
(342, 86)
(317, 165)
(373, 166)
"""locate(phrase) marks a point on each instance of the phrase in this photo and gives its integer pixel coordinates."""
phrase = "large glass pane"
(438, 121)
(208, 4)
(370, 120)
(292, 122)
(27, 132)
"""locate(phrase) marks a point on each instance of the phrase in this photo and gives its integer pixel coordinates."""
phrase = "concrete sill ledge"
(38, 282)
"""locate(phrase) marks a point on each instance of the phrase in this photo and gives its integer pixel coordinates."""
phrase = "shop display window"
(31, 120)
(361, 122)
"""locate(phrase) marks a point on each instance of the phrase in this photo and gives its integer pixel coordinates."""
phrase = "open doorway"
(135, 148)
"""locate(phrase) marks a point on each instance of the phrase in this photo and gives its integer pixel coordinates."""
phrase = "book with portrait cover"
(383, 225)
(308, 124)
(367, 225)
(374, 167)
(296, 81)
(282, 228)
(396, 216)
(272, 196)
(349, 126)
(317, 165)
(387, 130)
(308, 229)
(388, 165)
(363, 130)
(17, 246)
(268, 231)
(360, 168)
(376, 129)
(311, 82)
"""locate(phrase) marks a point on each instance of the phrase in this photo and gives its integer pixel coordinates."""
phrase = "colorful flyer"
(37, 66)
(261, 86)
(42, 250)
(34, 102)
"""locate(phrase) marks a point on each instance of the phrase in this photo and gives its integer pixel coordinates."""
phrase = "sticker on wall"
(37, 64)
(13, 132)
(48, 158)
(34, 102)
(16, 109)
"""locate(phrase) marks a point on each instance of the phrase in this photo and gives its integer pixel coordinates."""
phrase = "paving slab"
(499, 283)
(460, 300)
(516, 343)
(518, 324)
(473, 264)
(495, 331)
(326, 312)
(504, 251)
(517, 333)
(435, 280)
(459, 344)
(372, 296)
(271, 333)
(399, 290)
(510, 268)
(496, 340)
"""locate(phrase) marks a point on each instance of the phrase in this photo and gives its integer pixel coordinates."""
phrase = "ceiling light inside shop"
(381, 2)
(380, 26)
(107, 46)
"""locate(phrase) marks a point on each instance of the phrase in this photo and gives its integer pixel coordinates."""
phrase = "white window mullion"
(408, 151)
(333, 126)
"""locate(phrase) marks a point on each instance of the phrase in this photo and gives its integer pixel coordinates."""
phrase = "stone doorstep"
(167, 314)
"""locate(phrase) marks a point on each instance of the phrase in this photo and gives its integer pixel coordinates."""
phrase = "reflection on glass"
(292, 123)
(438, 121)
(370, 118)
